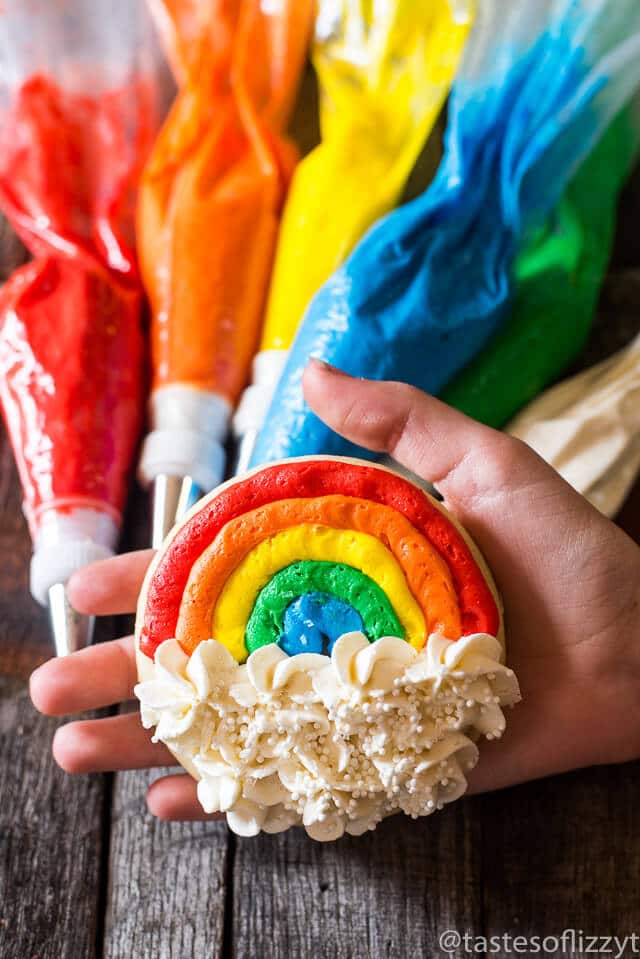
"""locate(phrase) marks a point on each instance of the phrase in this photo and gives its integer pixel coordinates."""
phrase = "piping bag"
(558, 278)
(588, 428)
(384, 71)
(210, 202)
(78, 100)
(430, 284)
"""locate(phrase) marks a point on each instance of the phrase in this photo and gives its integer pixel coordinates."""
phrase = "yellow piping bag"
(384, 70)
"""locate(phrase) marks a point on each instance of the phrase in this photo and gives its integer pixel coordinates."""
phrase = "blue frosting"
(313, 622)
(430, 283)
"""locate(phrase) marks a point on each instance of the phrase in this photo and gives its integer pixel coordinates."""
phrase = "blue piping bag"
(431, 282)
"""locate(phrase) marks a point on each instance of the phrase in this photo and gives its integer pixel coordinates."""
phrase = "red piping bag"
(79, 107)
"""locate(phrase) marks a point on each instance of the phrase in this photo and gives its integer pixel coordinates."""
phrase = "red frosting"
(479, 613)
(71, 344)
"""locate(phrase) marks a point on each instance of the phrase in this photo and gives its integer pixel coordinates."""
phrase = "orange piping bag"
(208, 216)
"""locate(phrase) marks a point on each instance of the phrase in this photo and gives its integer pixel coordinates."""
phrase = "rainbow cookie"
(319, 643)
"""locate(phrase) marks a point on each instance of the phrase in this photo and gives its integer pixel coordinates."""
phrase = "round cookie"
(320, 643)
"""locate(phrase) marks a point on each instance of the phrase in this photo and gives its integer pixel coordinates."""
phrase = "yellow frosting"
(318, 543)
(384, 72)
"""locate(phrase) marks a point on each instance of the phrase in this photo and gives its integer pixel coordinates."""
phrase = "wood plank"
(50, 823)
(166, 895)
(24, 638)
(50, 840)
(617, 319)
(389, 893)
(563, 853)
(166, 887)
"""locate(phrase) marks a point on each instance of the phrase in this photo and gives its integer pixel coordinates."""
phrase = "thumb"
(515, 506)
(466, 461)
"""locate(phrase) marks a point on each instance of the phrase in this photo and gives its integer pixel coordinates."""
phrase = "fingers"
(175, 798)
(89, 679)
(461, 457)
(121, 743)
(106, 745)
(111, 586)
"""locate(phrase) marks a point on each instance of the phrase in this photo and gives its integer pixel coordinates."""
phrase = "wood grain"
(563, 853)
(166, 896)
(166, 881)
(389, 893)
(24, 636)
(51, 824)
(50, 840)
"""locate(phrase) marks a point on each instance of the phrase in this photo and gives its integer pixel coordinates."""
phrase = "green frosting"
(346, 583)
(559, 276)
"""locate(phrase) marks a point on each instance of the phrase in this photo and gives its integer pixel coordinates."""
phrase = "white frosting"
(335, 744)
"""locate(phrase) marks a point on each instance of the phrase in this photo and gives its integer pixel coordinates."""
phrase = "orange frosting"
(427, 575)
(214, 186)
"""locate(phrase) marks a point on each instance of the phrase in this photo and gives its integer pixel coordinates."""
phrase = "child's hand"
(570, 580)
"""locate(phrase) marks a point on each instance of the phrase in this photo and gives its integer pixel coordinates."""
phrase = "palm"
(569, 578)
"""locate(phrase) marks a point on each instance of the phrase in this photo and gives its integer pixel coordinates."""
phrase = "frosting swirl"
(331, 743)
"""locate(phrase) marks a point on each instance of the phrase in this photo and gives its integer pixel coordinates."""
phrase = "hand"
(569, 578)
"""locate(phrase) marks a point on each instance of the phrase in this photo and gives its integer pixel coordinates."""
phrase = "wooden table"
(86, 871)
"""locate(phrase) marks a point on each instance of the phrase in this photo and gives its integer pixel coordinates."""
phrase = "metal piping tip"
(172, 498)
(71, 630)
(244, 452)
